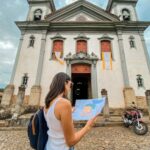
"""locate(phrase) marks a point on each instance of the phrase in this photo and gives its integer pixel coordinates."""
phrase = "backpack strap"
(33, 123)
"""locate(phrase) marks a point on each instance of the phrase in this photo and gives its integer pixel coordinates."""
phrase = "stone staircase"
(110, 122)
(113, 120)
(3, 123)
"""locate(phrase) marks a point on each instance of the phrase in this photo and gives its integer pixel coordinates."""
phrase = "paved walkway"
(100, 138)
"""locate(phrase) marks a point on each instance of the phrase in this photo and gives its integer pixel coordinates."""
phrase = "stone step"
(3, 123)
(12, 128)
(111, 121)
(23, 121)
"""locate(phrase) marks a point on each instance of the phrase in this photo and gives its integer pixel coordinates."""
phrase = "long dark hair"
(57, 87)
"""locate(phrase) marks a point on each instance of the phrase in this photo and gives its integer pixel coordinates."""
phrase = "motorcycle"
(133, 117)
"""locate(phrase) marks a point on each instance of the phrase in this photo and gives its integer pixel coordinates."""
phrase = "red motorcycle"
(133, 117)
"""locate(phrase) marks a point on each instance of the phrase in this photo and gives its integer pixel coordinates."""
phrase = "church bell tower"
(124, 9)
(38, 9)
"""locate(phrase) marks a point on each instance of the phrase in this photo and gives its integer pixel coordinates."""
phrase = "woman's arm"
(71, 136)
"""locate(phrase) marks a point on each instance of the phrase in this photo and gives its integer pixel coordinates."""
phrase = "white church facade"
(99, 49)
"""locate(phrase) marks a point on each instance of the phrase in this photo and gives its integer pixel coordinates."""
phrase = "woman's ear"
(66, 81)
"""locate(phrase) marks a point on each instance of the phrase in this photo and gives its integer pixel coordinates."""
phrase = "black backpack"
(37, 130)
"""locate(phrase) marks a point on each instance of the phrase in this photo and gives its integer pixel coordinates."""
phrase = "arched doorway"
(81, 76)
(82, 65)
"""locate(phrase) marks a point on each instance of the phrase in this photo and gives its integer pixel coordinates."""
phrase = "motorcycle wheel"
(140, 129)
(126, 125)
(125, 122)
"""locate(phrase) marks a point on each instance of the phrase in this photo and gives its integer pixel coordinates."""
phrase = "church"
(99, 49)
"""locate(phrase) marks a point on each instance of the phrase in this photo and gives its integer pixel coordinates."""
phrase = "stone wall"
(130, 96)
(141, 102)
(1, 94)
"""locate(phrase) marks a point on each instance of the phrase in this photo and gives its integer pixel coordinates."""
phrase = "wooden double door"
(81, 77)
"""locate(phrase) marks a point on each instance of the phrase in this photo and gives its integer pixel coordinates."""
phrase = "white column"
(17, 59)
(123, 59)
(35, 94)
(41, 59)
(94, 80)
(145, 50)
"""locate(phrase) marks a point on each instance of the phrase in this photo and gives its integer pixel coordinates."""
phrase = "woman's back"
(56, 138)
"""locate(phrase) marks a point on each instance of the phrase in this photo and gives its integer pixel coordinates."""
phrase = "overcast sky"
(16, 10)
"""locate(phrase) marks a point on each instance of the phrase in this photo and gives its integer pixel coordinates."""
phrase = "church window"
(132, 42)
(37, 14)
(57, 48)
(106, 55)
(32, 41)
(126, 15)
(25, 80)
(106, 47)
(140, 81)
(82, 46)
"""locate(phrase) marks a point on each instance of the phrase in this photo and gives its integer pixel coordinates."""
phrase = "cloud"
(69, 1)
(9, 35)
(7, 56)
(142, 8)
(5, 72)
(147, 39)
(7, 49)
(59, 3)
(6, 45)
(100, 3)
(8, 62)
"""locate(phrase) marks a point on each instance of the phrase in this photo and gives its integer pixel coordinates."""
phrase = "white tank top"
(56, 139)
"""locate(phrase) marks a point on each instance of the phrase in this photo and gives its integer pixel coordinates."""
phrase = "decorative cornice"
(105, 37)
(33, 25)
(58, 37)
(83, 26)
(81, 56)
(81, 36)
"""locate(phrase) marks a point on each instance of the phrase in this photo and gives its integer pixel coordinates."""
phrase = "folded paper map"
(87, 109)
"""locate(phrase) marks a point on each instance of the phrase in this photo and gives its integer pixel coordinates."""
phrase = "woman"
(58, 114)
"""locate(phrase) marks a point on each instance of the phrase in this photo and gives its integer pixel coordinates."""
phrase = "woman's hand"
(91, 122)
(73, 109)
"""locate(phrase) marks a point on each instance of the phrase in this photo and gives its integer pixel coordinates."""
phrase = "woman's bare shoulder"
(65, 102)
